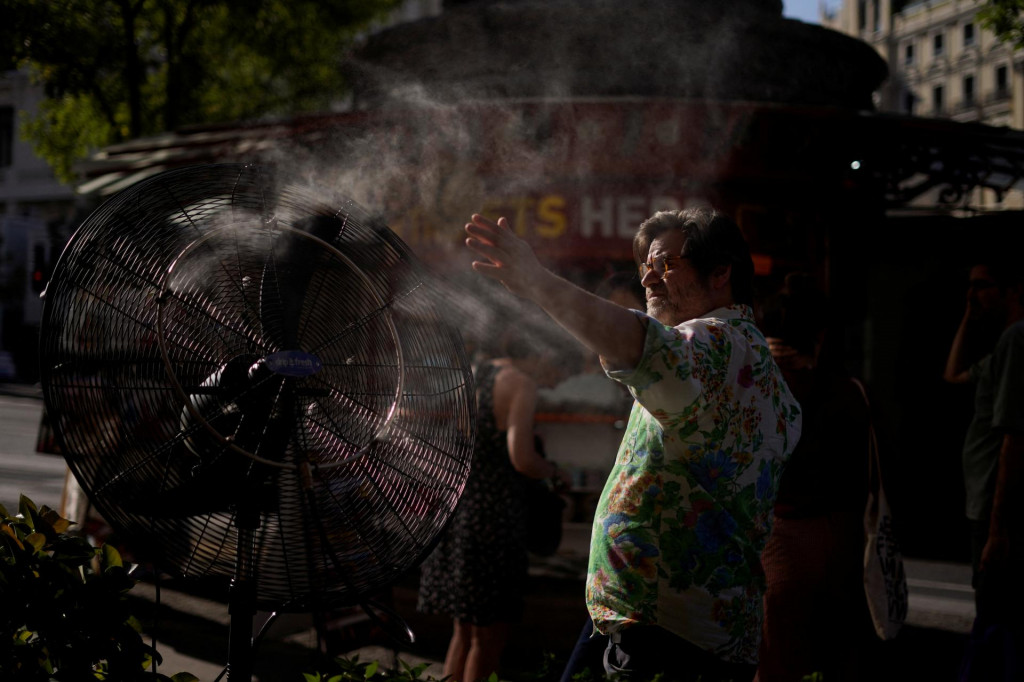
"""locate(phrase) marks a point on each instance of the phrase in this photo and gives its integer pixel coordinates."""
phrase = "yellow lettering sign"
(551, 219)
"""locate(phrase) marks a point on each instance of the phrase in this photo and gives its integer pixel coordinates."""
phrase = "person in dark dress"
(477, 573)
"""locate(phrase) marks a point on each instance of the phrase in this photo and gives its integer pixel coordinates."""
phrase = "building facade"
(942, 64)
(28, 188)
(36, 215)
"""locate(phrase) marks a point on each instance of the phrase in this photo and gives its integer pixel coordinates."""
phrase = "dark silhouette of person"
(993, 467)
(815, 610)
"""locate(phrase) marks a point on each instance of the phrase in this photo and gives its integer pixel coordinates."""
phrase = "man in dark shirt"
(993, 458)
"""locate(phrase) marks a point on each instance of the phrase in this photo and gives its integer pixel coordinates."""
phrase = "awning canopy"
(910, 157)
(902, 160)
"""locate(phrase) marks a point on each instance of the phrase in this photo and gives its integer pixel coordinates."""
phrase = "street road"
(22, 469)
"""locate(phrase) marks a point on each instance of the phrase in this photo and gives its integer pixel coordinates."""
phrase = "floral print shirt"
(687, 508)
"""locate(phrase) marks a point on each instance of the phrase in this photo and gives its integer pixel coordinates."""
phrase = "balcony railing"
(968, 104)
(997, 95)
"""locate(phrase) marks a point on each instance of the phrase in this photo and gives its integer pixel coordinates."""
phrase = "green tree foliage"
(64, 613)
(1005, 18)
(114, 70)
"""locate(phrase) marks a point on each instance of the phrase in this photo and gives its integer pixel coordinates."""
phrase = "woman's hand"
(788, 358)
(562, 479)
(506, 257)
(611, 331)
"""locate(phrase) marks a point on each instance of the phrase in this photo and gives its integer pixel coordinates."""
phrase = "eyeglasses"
(660, 265)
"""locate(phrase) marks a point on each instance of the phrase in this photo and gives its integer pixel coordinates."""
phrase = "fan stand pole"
(242, 601)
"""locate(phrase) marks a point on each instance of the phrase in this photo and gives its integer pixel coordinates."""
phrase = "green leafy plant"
(354, 670)
(64, 612)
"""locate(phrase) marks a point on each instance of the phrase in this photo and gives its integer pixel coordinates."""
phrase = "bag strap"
(874, 464)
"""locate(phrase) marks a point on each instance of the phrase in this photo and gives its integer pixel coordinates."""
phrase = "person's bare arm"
(1009, 488)
(611, 331)
(519, 393)
(956, 371)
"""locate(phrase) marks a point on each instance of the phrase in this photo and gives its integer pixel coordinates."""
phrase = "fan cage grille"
(159, 320)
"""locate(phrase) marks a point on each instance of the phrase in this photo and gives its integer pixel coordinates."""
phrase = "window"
(909, 100)
(1002, 82)
(968, 90)
(968, 34)
(937, 44)
(6, 136)
(908, 54)
(938, 96)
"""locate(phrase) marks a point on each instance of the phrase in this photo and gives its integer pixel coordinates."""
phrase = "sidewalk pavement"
(192, 631)
(944, 600)
(21, 390)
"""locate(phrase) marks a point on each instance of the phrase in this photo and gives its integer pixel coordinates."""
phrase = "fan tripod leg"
(242, 609)
(242, 600)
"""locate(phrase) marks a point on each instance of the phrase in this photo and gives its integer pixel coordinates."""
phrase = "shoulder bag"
(544, 508)
(885, 582)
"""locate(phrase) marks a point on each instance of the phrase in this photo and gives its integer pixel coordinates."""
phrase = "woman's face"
(679, 294)
(984, 296)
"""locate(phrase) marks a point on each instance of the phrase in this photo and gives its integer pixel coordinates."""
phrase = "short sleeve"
(1008, 381)
(664, 381)
(976, 371)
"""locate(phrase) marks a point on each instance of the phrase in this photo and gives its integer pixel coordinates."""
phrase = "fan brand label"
(293, 363)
